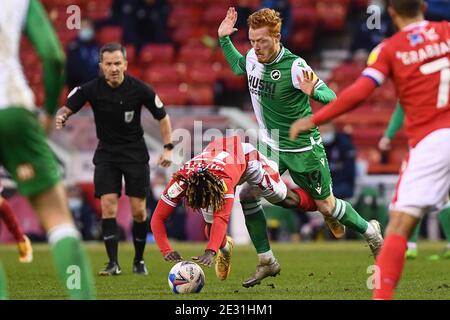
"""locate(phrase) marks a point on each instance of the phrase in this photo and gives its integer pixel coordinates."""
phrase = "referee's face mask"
(113, 66)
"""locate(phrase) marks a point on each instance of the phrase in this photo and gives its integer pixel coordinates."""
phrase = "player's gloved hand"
(207, 259)
(173, 257)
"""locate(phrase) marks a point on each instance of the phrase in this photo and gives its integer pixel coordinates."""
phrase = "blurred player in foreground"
(418, 60)
(24, 151)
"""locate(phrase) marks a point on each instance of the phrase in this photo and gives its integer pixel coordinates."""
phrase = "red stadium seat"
(175, 95)
(189, 34)
(304, 16)
(181, 16)
(161, 74)
(301, 3)
(109, 34)
(214, 14)
(332, 14)
(160, 53)
(302, 39)
(204, 73)
(194, 53)
(201, 95)
(134, 70)
(131, 53)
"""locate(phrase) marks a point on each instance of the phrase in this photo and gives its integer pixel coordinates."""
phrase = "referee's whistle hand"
(165, 159)
(60, 121)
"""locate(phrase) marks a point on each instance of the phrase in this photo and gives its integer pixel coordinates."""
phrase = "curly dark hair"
(204, 190)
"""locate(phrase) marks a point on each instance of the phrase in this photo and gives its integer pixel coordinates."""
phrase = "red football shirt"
(418, 60)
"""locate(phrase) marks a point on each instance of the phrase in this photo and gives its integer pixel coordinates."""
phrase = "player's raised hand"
(299, 126)
(173, 256)
(227, 28)
(384, 144)
(308, 82)
(61, 121)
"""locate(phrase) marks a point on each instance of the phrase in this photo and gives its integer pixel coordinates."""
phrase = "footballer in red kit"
(417, 58)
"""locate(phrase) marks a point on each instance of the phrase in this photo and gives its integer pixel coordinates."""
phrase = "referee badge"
(129, 115)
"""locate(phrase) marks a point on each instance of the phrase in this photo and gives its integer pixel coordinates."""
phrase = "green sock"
(71, 262)
(415, 234)
(444, 220)
(256, 225)
(3, 284)
(344, 212)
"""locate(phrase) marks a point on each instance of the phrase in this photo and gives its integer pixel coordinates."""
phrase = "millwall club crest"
(275, 75)
(129, 115)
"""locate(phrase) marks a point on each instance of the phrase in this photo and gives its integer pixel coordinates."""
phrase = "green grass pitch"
(322, 270)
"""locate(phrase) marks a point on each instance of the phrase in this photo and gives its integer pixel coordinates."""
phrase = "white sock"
(448, 245)
(412, 245)
(370, 231)
(225, 249)
(266, 257)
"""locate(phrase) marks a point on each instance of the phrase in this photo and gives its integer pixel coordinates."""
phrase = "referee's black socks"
(111, 238)
(139, 231)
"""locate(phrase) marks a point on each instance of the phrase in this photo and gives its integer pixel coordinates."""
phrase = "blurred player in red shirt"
(417, 58)
(23, 243)
(208, 182)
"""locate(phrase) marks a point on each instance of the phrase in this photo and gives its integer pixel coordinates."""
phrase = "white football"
(186, 277)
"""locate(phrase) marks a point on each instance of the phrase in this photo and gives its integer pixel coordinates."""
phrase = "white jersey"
(14, 89)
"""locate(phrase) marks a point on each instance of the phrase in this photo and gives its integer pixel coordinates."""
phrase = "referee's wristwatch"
(169, 146)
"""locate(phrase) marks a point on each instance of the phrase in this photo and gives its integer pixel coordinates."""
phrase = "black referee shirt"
(117, 113)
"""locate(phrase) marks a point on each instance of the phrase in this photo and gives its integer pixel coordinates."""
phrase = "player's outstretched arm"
(43, 37)
(234, 58)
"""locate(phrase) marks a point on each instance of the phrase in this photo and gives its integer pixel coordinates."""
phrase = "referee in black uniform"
(116, 100)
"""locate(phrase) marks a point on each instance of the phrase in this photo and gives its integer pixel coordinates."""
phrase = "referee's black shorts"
(108, 179)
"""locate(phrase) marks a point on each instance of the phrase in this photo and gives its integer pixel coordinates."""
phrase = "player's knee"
(247, 195)
(140, 215)
(109, 206)
(325, 207)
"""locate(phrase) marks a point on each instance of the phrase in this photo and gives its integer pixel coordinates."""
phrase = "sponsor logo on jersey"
(175, 190)
(373, 57)
(129, 115)
(263, 88)
(275, 75)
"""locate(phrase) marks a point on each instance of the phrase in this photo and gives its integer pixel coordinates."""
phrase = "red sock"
(8, 217)
(306, 202)
(224, 241)
(390, 263)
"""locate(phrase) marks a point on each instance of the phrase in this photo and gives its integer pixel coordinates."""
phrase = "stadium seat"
(131, 53)
(182, 16)
(332, 14)
(194, 53)
(161, 74)
(214, 14)
(172, 94)
(160, 53)
(301, 3)
(202, 73)
(189, 34)
(109, 34)
(304, 16)
(201, 95)
(302, 39)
